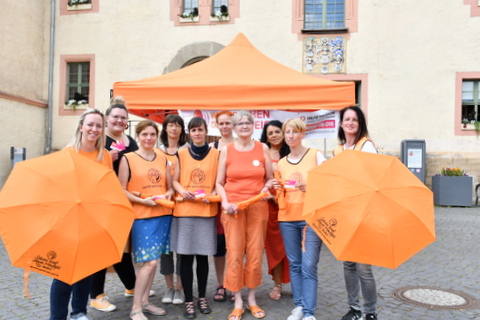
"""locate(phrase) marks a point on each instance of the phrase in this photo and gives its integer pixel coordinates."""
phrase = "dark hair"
(197, 122)
(144, 124)
(284, 149)
(362, 124)
(173, 118)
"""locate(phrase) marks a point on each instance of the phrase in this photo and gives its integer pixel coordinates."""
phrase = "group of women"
(235, 231)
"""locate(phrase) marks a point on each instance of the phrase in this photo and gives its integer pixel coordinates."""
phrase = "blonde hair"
(99, 144)
(116, 102)
(239, 115)
(296, 124)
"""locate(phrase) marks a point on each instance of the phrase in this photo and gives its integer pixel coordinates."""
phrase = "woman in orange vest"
(303, 263)
(172, 138)
(89, 142)
(193, 227)
(353, 134)
(146, 171)
(244, 171)
(223, 120)
(272, 136)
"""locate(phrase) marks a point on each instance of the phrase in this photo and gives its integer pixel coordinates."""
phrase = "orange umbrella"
(159, 200)
(211, 198)
(64, 216)
(369, 208)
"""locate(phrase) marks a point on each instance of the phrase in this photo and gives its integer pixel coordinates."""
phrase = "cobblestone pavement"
(452, 262)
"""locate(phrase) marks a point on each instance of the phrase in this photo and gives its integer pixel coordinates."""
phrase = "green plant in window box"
(78, 100)
(221, 14)
(192, 14)
(77, 2)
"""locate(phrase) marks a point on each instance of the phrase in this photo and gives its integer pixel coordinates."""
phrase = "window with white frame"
(78, 81)
(220, 7)
(324, 14)
(190, 8)
(470, 100)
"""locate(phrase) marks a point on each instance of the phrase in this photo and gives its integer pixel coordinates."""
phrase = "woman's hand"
(229, 208)
(149, 202)
(169, 194)
(188, 195)
(302, 186)
(114, 154)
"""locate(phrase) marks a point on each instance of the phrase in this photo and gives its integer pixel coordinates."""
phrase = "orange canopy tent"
(237, 77)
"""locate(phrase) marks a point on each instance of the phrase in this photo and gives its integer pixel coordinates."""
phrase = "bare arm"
(178, 187)
(230, 208)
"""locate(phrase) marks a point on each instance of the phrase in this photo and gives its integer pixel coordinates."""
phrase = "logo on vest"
(154, 175)
(197, 176)
(297, 177)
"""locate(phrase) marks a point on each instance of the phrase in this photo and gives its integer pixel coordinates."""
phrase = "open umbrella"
(64, 216)
(369, 208)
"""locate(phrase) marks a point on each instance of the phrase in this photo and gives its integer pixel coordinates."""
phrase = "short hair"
(144, 124)
(100, 143)
(197, 122)
(362, 125)
(239, 115)
(296, 123)
(116, 102)
(221, 113)
(173, 118)
(284, 149)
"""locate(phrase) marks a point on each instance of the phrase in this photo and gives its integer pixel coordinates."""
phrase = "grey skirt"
(193, 235)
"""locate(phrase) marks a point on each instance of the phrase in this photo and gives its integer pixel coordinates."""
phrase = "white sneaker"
(309, 318)
(297, 314)
(80, 316)
(168, 296)
(178, 297)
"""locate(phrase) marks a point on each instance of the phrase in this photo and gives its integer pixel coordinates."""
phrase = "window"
(470, 100)
(217, 6)
(78, 81)
(190, 7)
(324, 14)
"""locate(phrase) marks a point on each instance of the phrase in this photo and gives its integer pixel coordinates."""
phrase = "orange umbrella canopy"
(369, 208)
(64, 216)
(237, 77)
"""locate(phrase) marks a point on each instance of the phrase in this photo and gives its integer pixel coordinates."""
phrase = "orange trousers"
(244, 237)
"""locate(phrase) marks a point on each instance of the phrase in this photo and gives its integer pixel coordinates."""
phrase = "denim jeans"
(360, 275)
(60, 293)
(303, 265)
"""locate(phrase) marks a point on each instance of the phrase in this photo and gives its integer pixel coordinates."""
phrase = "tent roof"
(237, 77)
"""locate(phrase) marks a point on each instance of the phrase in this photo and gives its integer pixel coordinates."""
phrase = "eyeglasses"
(242, 124)
(116, 118)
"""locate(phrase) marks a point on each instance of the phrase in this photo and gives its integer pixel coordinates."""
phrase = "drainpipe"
(48, 147)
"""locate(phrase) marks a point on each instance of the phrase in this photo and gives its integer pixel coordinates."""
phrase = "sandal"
(138, 313)
(232, 297)
(220, 294)
(256, 311)
(203, 306)
(189, 311)
(236, 314)
(156, 311)
(276, 293)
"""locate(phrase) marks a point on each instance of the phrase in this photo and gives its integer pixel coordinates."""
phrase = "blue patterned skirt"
(150, 238)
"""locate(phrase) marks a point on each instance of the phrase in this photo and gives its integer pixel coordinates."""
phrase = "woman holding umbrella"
(303, 263)
(147, 171)
(193, 227)
(89, 142)
(353, 134)
(244, 171)
(272, 136)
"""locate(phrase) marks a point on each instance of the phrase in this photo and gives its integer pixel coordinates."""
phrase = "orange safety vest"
(148, 177)
(294, 198)
(358, 146)
(197, 175)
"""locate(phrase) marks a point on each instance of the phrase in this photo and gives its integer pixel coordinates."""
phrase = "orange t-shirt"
(107, 157)
(297, 172)
(244, 172)
(197, 175)
(148, 177)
